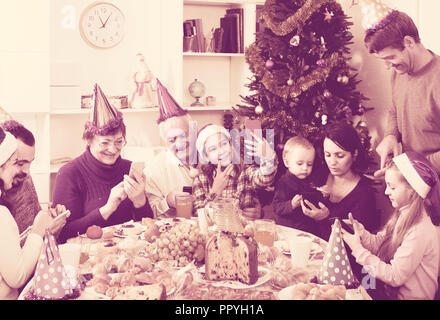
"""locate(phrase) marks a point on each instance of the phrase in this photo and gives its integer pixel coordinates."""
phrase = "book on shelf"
(238, 12)
(188, 29)
(199, 40)
(230, 41)
(218, 39)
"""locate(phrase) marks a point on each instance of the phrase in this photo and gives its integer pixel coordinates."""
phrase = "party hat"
(4, 116)
(103, 117)
(168, 107)
(376, 15)
(335, 268)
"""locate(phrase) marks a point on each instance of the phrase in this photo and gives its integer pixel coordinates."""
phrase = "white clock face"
(102, 25)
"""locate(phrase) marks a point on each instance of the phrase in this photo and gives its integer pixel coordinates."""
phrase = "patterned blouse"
(244, 188)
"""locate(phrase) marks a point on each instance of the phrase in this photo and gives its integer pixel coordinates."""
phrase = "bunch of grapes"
(182, 244)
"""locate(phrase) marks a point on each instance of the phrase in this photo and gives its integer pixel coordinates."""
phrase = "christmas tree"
(302, 80)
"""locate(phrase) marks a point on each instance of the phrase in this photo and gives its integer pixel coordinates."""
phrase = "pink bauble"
(269, 64)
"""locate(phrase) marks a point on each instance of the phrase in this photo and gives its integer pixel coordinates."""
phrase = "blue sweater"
(83, 186)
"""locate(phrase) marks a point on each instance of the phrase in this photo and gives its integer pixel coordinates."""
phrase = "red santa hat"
(377, 15)
(168, 107)
(205, 132)
(103, 117)
(422, 177)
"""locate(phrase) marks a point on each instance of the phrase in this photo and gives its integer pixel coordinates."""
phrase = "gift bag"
(50, 279)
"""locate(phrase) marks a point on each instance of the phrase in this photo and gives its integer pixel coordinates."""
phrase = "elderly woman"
(16, 263)
(96, 186)
(224, 173)
(349, 190)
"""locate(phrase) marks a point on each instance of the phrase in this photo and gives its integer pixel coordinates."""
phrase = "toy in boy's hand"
(136, 170)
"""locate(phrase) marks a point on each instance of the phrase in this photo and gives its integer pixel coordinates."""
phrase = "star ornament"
(328, 15)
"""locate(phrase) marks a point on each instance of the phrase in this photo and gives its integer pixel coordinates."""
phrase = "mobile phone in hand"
(137, 166)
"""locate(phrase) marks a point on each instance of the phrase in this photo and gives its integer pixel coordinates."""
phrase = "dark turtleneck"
(83, 186)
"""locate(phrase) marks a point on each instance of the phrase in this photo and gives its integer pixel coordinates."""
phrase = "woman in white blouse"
(16, 263)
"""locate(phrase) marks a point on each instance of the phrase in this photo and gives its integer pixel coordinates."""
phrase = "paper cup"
(299, 250)
(70, 254)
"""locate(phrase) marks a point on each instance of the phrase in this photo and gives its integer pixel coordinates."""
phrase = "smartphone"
(313, 196)
(187, 189)
(137, 166)
(61, 215)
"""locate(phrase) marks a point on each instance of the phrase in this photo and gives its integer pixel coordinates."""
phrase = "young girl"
(405, 254)
(224, 173)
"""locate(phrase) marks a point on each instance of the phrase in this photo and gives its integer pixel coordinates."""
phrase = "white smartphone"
(137, 166)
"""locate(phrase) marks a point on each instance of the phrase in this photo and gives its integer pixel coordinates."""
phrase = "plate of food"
(129, 229)
(283, 246)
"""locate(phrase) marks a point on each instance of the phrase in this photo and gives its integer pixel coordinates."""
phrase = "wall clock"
(102, 25)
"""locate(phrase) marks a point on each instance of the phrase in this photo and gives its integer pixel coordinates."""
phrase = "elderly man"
(415, 82)
(174, 168)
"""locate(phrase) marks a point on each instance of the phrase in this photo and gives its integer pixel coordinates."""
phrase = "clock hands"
(103, 26)
(102, 23)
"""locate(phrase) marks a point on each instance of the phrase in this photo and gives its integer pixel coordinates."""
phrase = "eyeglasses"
(117, 144)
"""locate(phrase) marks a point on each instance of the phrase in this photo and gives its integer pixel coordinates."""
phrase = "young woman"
(225, 174)
(405, 254)
(349, 190)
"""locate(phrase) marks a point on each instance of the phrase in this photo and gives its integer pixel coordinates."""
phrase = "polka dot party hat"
(335, 268)
(50, 279)
(375, 13)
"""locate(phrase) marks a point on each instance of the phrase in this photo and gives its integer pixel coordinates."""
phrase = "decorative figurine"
(142, 85)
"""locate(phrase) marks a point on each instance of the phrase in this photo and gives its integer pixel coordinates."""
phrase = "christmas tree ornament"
(289, 82)
(270, 64)
(362, 124)
(336, 268)
(294, 41)
(324, 119)
(327, 94)
(321, 63)
(343, 79)
(317, 114)
(258, 109)
(328, 15)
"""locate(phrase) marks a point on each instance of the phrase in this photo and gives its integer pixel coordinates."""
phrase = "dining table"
(125, 251)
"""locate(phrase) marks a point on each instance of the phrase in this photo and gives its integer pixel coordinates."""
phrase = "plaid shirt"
(244, 188)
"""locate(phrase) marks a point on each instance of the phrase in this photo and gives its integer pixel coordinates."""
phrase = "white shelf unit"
(223, 74)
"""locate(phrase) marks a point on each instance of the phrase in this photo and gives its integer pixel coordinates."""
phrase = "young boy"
(295, 185)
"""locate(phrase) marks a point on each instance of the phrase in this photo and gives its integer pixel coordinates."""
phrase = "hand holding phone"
(136, 170)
